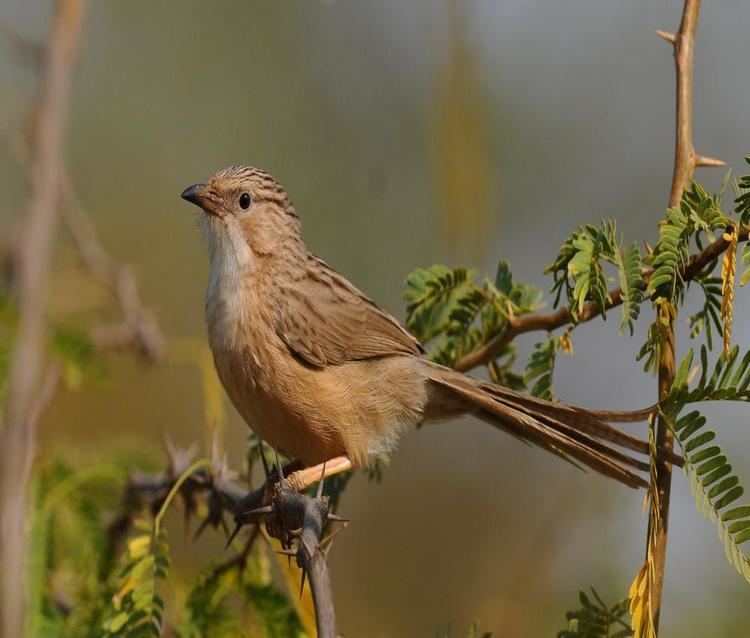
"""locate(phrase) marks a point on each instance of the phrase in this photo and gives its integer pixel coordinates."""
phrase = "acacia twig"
(561, 317)
(32, 275)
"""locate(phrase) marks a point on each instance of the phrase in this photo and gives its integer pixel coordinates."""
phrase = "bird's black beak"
(196, 194)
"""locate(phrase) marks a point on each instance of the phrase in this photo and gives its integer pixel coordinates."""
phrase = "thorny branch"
(288, 515)
(685, 162)
(33, 265)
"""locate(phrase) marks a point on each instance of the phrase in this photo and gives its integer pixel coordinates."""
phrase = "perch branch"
(33, 265)
(287, 513)
(299, 511)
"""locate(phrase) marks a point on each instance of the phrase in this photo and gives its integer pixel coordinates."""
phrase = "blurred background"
(406, 134)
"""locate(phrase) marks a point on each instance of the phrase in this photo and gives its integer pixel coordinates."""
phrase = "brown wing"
(325, 320)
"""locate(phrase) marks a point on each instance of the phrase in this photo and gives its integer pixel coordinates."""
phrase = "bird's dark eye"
(245, 201)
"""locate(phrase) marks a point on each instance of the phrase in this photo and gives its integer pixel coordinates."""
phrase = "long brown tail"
(580, 436)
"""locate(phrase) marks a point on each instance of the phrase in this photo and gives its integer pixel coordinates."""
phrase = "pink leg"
(302, 479)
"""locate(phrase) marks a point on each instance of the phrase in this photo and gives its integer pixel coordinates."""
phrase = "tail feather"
(586, 438)
(593, 422)
(580, 436)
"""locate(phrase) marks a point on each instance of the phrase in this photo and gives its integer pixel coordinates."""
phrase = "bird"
(327, 377)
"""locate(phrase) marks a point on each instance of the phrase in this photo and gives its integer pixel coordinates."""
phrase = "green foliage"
(729, 380)
(650, 349)
(578, 271)
(698, 213)
(211, 608)
(208, 614)
(84, 582)
(708, 319)
(746, 263)
(432, 295)
(715, 487)
(136, 609)
(277, 616)
(541, 367)
(697, 216)
(657, 332)
(501, 369)
(631, 284)
(742, 202)
(451, 309)
(76, 356)
(596, 619)
(67, 536)
(670, 255)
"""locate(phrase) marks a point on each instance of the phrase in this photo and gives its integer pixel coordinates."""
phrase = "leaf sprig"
(452, 311)
(597, 619)
(712, 480)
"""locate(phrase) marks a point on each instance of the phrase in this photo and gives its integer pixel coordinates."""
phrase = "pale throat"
(231, 262)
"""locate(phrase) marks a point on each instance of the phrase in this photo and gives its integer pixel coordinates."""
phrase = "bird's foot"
(263, 504)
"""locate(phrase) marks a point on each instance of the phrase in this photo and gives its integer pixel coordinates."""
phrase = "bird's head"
(244, 205)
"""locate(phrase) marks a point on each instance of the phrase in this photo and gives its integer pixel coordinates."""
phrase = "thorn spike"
(669, 37)
(327, 542)
(337, 519)
(302, 584)
(233, 535)
(319, 493)
(702, 160)
(223, 524)
(201, 528)
(261, 511)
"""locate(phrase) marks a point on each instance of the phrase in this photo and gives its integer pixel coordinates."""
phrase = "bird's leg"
(257, 505)
(302, 479)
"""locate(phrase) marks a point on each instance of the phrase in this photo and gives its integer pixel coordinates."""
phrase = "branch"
(288, 515)
(561, 317)
(299, 511)
(33, 265)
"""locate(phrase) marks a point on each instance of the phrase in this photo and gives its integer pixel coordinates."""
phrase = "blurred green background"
(406, 133)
